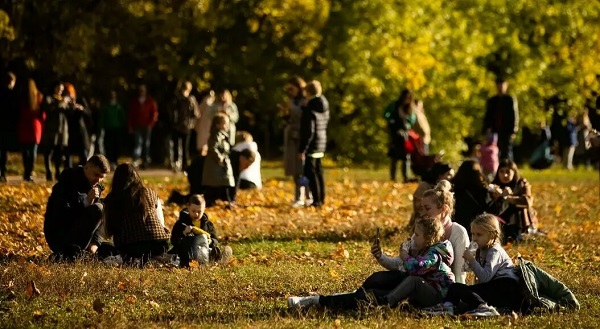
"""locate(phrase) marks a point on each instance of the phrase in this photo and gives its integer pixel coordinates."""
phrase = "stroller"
(420, 162)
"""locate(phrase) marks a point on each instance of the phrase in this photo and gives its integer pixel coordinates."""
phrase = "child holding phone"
(423, 283)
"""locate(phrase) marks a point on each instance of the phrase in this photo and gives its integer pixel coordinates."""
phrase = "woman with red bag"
(400, 116)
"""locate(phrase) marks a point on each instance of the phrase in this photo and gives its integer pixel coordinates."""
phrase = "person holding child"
(313, 139)
(194, 236)
(74, 212)
(438, 203)
(424, 278)
(134, 217)
(497, 282)
(217, 173)
(513, 201)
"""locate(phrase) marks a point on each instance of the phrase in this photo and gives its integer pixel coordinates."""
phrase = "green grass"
(280, 251)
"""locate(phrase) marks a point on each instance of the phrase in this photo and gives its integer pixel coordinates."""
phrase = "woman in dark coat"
(400, 117)
(471, 194)
(513, 201)
(55, 135)
(78, 118)
(134, 217)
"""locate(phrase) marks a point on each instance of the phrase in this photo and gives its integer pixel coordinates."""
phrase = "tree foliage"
(363, 51)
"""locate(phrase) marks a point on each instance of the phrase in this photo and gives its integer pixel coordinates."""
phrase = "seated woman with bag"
(513, 202)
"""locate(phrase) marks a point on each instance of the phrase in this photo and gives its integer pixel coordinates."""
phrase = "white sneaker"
(484, 310)
(298, 302)
(298, 204)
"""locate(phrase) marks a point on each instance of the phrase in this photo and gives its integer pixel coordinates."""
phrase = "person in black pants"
(74, 212)
(313, 139)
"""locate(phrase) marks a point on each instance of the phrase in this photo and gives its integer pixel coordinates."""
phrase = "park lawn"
(280, 251)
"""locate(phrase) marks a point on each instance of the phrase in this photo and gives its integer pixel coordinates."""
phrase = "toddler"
(194, 236)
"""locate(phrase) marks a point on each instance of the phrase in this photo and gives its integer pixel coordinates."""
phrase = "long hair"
(468, 176)
(33, 96)
(506, 163)
(400, 103)
(299, 83)
(126, 196)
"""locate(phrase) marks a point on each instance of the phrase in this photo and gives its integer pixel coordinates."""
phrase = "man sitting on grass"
(74, 212)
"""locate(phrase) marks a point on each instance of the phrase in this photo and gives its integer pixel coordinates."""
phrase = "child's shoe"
(483, 310)
(445, 308)
(299, 302)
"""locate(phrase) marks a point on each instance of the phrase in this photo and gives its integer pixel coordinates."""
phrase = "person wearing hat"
(502, 118)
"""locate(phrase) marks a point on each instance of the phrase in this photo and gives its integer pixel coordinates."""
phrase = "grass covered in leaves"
(280, 251)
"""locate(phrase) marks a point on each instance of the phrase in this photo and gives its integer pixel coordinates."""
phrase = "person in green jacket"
(400, 116)
(113, 119)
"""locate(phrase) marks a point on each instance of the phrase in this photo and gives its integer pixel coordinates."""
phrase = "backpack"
(543, 292)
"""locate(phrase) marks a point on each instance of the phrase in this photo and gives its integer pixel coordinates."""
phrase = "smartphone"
(377, 234)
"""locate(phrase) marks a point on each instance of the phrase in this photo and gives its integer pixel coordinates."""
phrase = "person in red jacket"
(143, 114)
(30, 127)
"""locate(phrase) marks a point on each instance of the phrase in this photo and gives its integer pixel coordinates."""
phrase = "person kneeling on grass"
(74, 211)
(429, 275)
(194, 236)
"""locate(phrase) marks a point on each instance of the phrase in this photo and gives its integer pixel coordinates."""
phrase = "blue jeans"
(141, 146)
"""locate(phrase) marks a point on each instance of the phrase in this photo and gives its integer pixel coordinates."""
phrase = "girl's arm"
(390, 263)
(488, 271)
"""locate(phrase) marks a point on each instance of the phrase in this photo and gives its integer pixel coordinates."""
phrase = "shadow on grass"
(332, 237)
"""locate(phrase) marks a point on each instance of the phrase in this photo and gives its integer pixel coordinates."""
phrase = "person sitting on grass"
(423, 282)
(134, 217)
(194, 236)
(74, 211)
(497, 283)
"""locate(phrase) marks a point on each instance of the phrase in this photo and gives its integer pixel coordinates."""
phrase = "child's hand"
(404, 255)
(468, 255)
(376, 249)
(187, 229)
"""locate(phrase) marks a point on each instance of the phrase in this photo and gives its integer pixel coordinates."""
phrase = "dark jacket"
(56, 128)
(470, 202)
(501, 115)
(313, 126)
(542, 291)
(185, 220)
(398, 128)
(66, 206)
(183, 112)
(78, 122)
(138, 225)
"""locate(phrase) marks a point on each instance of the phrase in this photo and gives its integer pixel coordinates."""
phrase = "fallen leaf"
(98, 306)
(131, 299)
(31, 290)
(154, 304)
